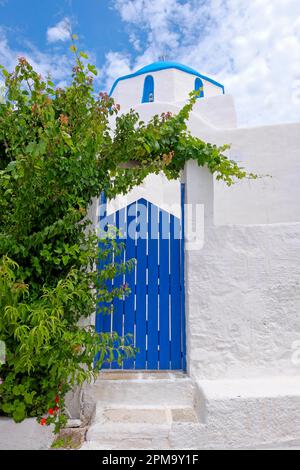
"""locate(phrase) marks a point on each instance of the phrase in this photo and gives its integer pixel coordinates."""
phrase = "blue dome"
(157, 66)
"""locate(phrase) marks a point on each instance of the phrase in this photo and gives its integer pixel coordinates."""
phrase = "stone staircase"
(172, 411)
(139, 410)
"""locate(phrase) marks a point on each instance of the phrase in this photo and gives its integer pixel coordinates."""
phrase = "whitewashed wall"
(267, 150)
(243, 286)
(272, 152)
(170, 85)
(243, 294)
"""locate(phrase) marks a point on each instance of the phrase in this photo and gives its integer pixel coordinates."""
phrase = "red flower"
(64, 120)
(56, 409)
(56, 399)
(50, 411)
(22, 61)
(43, 422)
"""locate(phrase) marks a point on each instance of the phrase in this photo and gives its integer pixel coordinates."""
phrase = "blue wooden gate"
(154, 311)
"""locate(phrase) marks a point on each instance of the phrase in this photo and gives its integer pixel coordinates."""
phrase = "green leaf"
(28, 397)
(7, 408)
(19, 413)
(83, 55)
(18, 390)
(5, 73)
(92, 69)
(73, 48)
(147, 147)
(65, 260)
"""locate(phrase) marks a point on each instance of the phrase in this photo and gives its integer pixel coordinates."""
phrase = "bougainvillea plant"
(59, 151)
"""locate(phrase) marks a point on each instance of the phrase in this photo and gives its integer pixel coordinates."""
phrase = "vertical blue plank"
(99, 316)
(102, 319)
(103, 213)
(175, 293)
(106, 317)
(182, 280)
(164, 289)
(141, 325)
(153, 227)
(129, 304)
(118, 304)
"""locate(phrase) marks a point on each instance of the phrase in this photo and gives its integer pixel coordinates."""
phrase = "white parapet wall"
(243, 294)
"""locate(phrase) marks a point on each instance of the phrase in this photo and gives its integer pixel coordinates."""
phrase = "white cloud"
(133, 39)
(58, 65)
(117, 65)
(251, 47)
(60, 32)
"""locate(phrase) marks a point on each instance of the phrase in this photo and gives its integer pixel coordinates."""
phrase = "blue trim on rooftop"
(157, 66)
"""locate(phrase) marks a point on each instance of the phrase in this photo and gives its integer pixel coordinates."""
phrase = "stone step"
(139, 410)
(136, 427)
(146, 415)
(116, 432)
(129, 444)
(170, 390)
(216, 414)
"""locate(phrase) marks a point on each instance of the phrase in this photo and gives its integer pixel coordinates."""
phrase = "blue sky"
(96, 22)
(253, 48)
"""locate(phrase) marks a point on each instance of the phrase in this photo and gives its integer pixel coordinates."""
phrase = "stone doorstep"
(147, 391)
(127, 415)
(147, 415)
(140, 375)
(134, 427)
(132, 444)
(112, 433)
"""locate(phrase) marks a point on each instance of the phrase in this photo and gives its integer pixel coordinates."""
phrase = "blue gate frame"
(154, 311)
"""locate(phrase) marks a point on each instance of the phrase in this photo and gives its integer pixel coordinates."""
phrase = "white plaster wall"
(28, 435)
(156, 189)
(211, 90)
(128, 93)
(128, 96)
(219, 111)
(272, 152)
(267, 150)
(243, 294)
(184, 83)
(208, 115)
(170, 85)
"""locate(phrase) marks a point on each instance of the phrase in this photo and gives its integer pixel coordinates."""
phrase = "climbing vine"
(58, 151)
